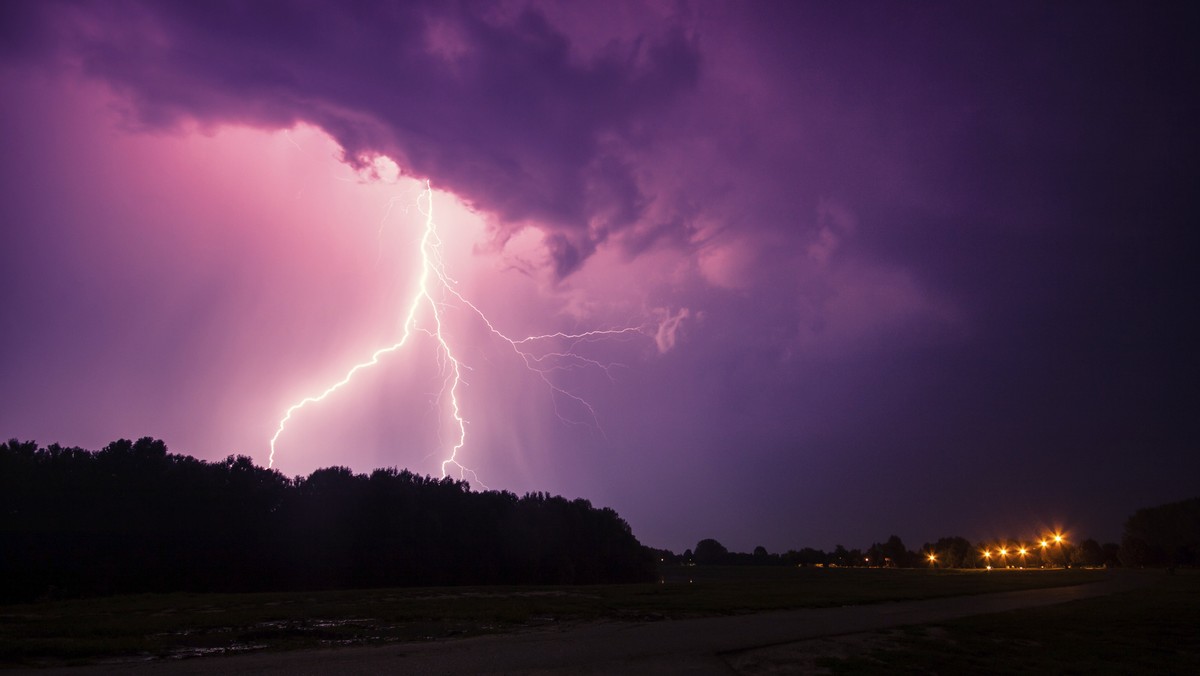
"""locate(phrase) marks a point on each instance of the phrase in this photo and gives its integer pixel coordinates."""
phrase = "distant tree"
(1135, 553)
(665, 556)
(890, 554)
(709, 551)
(688, 557)
(874, 556)
(857, 558)
(805, 557)
(760, 554)
(813, 557)
(1167, 535)
(840, 556)
(952, 552)
(135, 518)
(1088, 553)
(1112, 554)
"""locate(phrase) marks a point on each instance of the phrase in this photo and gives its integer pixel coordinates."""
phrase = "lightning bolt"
(433, 278)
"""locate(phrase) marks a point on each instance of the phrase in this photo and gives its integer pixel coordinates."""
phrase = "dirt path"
(692, 646)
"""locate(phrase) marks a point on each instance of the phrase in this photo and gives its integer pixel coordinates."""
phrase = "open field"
(176, 625)
(1151, 630)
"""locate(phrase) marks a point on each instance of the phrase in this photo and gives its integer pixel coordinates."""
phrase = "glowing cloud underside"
(433, 280)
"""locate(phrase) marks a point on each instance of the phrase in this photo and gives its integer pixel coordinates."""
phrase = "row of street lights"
(1003, 551)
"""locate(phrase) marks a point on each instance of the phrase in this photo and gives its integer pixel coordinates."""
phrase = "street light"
(932, 558)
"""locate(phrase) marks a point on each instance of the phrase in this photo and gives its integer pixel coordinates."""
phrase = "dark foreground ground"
(1149, 625)
(1117, 612)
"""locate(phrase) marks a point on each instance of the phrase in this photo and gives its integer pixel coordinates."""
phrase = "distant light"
(1003, 551)
(1057, 537)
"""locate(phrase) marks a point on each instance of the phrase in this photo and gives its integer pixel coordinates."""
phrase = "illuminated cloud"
(494, 106)
(668, 328)
(869, 244)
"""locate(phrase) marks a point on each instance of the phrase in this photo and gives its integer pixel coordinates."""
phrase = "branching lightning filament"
(432, 280)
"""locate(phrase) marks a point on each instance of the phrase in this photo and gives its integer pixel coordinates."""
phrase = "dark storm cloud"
(492, 106)
(945, 249)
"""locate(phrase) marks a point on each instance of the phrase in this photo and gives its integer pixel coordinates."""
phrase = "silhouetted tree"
(666, 556)
(1112, 554)
(805, 557)
(952, 552)
(709, 551)
(1089, 553)
(840, 556)
(1167, 535)
(891, 554)
(134, 518)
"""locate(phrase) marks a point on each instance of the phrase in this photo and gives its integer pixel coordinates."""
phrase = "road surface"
(693, 646)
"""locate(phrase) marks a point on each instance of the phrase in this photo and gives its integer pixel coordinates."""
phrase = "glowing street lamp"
(932, 558)
(1053, 539)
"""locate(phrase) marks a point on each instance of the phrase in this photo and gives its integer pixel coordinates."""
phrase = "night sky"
(903, 267)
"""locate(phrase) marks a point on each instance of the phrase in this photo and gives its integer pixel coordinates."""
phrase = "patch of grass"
(165, 625)
(717, 590)
(1150, 630)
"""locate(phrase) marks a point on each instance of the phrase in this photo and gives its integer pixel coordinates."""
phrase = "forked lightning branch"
(424, 314)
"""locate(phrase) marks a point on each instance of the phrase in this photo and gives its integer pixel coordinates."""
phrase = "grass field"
(175, 625)
(1152, 630)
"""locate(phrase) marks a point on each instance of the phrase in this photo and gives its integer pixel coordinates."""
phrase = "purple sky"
(912, 268)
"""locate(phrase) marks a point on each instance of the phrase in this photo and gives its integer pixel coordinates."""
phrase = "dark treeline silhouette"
(889, 554)
(135, 518)
(1167, 535)
(948, 552)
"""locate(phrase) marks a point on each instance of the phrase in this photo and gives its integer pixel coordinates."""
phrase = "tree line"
(133, 517)
(1167, 536)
